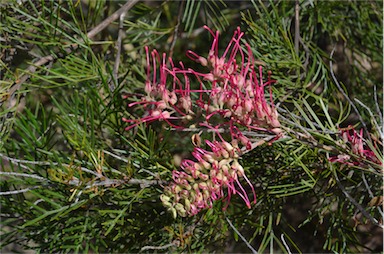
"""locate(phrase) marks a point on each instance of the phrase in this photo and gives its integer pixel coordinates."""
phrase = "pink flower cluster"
(233, 91)
(201, 182)
(230, 96)
(355, 140)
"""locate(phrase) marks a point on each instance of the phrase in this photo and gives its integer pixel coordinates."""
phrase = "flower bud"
(225, 169)
(238, 168)
(185, 193)
(173, 211)
(213, 173)
(179, 207)
(209, 158)
(187, 204)
(164, 198)
(172, 98)
(203, 61)
(198, 166)
(227, 146)
(203, 177)
(196, 140)
(224, 162)
(167, 204)
(224, 153)
(148, 87)
(203, 185)
(248, 105)
(205, 164)
(161, 105)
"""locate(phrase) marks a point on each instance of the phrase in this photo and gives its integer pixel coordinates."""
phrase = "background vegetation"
(73, 180)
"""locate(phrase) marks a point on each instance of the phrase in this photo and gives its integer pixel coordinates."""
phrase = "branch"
(176, 31)
(297, 26)
(345, 95)
(241, 236)
(33, 67)
(128, 5)
(45, 163)
(18, 191)
(118, 53)
(356, 204)
(285, 244)
(23, 175)
(158, 247)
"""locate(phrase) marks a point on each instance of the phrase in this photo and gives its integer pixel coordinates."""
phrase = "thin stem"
(18, 191)
(176, 30)
(24, 175)
(118, 53)
(157, 247)
(241, 236)
(116, 156)
(377, 105)
(128, 5)
(345, 95)
(356, 204)
(372, 117)
(297, 26)
(46, 59)
(285, 244)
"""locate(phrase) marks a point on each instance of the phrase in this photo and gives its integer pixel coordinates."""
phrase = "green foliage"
(73, 180)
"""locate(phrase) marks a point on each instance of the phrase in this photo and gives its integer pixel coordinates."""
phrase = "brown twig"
(110, 19)
(176, 31)
(356, 204)
(297, 26)
(118, 53)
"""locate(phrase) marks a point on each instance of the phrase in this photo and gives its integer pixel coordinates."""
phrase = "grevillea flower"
(199, 183)
(237, 89)
(355, 141)
(229, 95)
(232, 88)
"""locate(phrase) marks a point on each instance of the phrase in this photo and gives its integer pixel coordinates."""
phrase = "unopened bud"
(173, 211)
(227, 146)
(166, 114)
(203, 61)
(164, 198)
(187, 204)
(198, 166)
(209, 158)
(196, 140)
(224, 153)
(148, 87)
(225, 170)
(224, 162)
(172, 98)
(205, 164)
(167, 204)
(238, 168)
(179, 207)
(203, 185)
(203, 177)
(248, 105)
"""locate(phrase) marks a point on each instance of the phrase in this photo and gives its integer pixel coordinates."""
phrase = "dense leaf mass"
(124, 125)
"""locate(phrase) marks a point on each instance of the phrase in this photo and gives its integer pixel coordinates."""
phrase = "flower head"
(199, 183)
(355, 141)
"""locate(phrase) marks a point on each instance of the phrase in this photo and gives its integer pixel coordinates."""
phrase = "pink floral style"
(231, 90)
(356, 143)
(229, 95)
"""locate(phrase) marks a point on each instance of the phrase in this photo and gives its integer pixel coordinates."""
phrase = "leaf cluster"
(73, 180)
